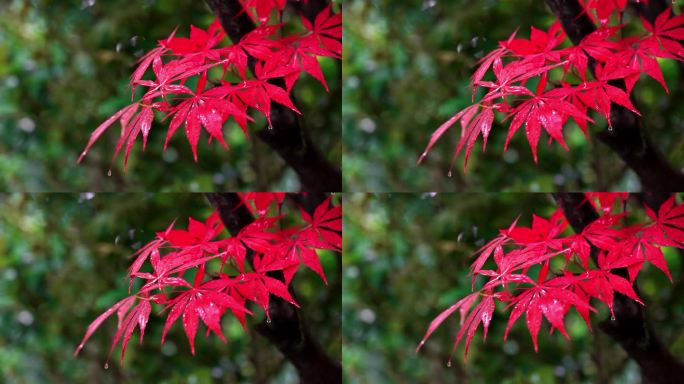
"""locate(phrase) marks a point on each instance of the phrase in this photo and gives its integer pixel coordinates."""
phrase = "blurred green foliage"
(406, 259)
(63, 261)
(406, 70)
(64, 68)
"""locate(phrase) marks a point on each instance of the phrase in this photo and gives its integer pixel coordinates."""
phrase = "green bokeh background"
(406, 70)
(63, 261)
(406, 259)
(64, 69)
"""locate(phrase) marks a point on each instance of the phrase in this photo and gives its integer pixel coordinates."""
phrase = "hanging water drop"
(109, 173)
(449, 174)
(449, 363)
(268, 321)
(106, 366)
(612, 318)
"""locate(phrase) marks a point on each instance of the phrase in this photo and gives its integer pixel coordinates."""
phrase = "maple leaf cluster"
(541, 84)
(198, 275)
(200, 60)
(570, 269)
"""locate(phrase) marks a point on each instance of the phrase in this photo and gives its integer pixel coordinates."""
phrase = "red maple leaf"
(548, 298)
(669, 222)
(178, 59)
(543, 273)
(666, 33)
(274, 249)
(517, 62)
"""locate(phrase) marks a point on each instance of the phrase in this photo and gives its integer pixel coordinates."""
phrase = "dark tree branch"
(286, 330)
(309, 9)
(653, 199)
(627, 138)
(651, 10)
(629, 328)
(287, 137)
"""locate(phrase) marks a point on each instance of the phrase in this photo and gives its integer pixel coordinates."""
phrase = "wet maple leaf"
(174, 255)
(666, 33)
(543, 273)
(176, 60)
(669, 222)
(518, 63)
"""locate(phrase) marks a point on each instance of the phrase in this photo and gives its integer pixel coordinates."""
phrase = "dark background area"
(407, 258)
(63, 261)
(407, 67)
(64, 69)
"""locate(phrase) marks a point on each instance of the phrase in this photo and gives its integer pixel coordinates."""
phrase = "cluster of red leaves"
(567, 274)
(542, 85)
(197, 275)
(177, 60)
